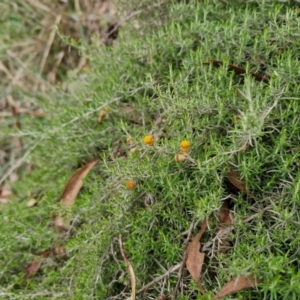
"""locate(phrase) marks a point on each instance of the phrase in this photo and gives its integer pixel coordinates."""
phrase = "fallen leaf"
(33, 267)
(4, 194)
(238, 70)
(45, 253)
(237, 284)
(223, 229)
(31, 202)
(5, 191)
(235, 178)
(59, 251)
(225, 215)
(195, 259)
(75, 183)
(130, 269)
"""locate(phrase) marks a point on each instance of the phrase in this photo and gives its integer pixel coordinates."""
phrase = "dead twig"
(130, 269)
(49, 42)
(18, 163)
(157, 279)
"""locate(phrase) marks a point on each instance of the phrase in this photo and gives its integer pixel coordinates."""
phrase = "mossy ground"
(251, 125)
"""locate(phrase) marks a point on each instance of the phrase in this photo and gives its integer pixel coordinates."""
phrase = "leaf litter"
(68, 197)
(237, 284)
(235, 178)
(31, 203)
(223, 229)
(75, 183)
(130, 269)
(70, 193)
(195, 258)
(5, 193)
(34, 266)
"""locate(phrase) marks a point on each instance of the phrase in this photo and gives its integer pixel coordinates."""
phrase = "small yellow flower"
(149, 140)
(185, 146)
(130, 184)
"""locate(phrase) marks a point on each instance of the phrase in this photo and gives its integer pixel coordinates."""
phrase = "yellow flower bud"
(185, 146)
(130, 184)
(149, 140)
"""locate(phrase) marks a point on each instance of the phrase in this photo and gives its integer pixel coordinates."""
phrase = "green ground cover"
(157, 83)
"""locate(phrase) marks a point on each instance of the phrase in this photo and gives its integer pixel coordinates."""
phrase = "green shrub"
(141, 79)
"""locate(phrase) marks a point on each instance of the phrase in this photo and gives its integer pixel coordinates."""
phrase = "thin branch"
(156, 279)
(18, 163)
(49, 43)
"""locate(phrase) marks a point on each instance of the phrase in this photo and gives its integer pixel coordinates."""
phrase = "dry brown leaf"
(234, 177)
(237, 284)
(195, 259)
(130, 269)
(35, 265)
(4, 194)
(5, 191)
(31, 202)
(32, 268)
(225, 215)
(223, 229)
(59, 251)
(75, 183)
(45, 253)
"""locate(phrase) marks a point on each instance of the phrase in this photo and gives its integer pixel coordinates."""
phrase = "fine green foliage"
(228, 119)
